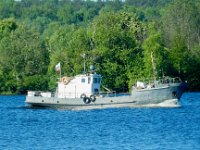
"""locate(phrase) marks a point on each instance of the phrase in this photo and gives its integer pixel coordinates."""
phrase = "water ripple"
(23, 127)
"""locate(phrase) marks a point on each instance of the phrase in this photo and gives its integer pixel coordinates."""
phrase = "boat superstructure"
(79, 86)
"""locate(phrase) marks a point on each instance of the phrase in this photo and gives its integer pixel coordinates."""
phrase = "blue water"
(121, 128)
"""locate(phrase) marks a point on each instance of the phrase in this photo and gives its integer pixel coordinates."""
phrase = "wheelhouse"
(88, 84)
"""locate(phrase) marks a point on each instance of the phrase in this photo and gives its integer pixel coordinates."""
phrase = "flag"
(57, 67)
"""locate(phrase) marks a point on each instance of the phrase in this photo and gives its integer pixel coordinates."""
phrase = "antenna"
(92, 68)
(154, 67)
(83, 55)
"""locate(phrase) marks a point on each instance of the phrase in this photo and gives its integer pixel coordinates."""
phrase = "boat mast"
(84, 65)
(154, 67)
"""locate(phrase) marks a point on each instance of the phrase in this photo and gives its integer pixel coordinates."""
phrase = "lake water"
(22, 128)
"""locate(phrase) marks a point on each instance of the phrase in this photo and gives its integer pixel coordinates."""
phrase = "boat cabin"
(80, 85)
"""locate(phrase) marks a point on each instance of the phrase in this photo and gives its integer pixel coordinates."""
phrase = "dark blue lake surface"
(121, 128)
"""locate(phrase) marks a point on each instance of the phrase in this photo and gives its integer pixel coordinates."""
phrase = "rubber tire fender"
(86, 100)
(83, 95)
(92, 98)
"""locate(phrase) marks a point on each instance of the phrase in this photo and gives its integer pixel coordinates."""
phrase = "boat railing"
(170, 80)
(39, 94)
(107, 93)
(156, 83)
(112, 94)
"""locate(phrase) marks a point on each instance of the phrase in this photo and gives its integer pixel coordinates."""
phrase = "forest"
(118, 37)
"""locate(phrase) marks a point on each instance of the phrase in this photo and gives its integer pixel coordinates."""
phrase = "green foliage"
(36, 82)
(7, 25)
(115, 36)
(126, 41)
(22, 55)
(181, 29)
(154, 52)
(193, 71)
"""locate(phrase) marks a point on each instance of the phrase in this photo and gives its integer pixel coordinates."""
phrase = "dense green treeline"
(119, 37)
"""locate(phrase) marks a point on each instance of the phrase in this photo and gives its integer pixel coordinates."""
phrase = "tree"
(22, 55)
(116, 37)
(181, 30)
(154, 53)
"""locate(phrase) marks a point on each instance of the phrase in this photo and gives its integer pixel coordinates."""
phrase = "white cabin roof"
(86, 75)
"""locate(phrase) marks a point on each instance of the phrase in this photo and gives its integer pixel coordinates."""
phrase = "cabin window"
(96, 91)
(83, 80)
(89, 80)
(97, 80)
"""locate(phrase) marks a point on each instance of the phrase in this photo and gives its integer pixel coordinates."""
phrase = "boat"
(83, 92)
